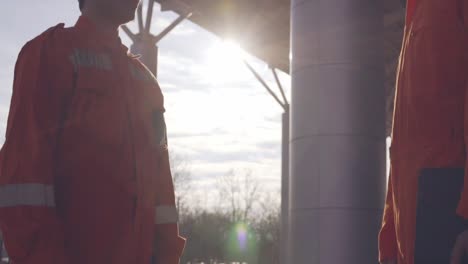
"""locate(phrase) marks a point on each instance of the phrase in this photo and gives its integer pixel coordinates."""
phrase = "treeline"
(213, 237)
(242, 223)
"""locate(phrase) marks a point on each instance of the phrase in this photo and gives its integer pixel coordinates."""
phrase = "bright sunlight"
(224, 62)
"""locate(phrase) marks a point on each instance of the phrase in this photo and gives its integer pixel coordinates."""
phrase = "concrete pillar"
(337, 131)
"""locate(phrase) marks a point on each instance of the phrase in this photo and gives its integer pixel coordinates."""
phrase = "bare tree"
(182, 178)
(267, 226)
(239, 198)
(239, 193)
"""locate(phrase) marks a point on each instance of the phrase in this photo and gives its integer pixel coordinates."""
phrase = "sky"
(219, 116)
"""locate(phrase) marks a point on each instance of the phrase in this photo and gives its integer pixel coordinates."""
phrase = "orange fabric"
(86, 118)
(410, 6)
(429, 118)
(387, 243)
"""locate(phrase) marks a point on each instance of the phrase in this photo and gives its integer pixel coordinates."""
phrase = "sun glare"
(224, 61)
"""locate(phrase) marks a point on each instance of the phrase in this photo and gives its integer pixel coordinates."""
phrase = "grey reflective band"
(30, 194)
(166, 215)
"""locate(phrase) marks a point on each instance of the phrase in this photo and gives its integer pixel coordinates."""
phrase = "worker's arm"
(387, 236)
(31, 227)
(168, 245)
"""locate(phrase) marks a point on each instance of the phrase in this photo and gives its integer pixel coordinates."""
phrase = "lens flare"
(241, 244)
(242, 234)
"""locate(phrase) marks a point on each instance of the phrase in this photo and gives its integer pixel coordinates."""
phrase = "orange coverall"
(430, 128)
(84, 171)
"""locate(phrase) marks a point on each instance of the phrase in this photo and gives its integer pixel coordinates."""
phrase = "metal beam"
(279, 86)
(171, 27)
(284, 235)
(149, 16)
(140, 17)
(129, 33)
(177, 6)
(260, 79)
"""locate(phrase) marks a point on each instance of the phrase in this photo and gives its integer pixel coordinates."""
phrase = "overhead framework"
(263, 29)
(145, 43)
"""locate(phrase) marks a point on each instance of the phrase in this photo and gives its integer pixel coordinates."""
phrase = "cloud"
(273, 119)
(183, 30)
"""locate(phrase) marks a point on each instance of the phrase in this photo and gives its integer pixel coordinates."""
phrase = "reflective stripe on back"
(166, 215)
(29, 194)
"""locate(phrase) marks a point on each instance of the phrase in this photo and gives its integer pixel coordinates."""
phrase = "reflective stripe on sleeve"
(166, 215)
(29, 194)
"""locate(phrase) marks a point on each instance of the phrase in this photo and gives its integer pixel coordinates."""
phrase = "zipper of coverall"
(130, 108)
(122, 71)
(138, 225)
(67, 105)
(66, 109)
(134, 161)
(121, 67)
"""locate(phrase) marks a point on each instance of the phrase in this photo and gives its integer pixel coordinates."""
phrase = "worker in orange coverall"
(84, 171)
(429, 138)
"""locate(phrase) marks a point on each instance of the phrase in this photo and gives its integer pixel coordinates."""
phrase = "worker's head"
(117, 11)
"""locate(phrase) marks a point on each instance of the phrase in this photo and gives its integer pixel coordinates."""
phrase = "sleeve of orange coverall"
(29, 221)
(168, 244)
(387, 236)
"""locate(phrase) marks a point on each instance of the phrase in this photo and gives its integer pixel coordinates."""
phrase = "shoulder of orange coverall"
(52, 45)
(47, 39)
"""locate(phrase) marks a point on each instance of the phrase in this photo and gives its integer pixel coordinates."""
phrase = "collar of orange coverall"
(88, 28)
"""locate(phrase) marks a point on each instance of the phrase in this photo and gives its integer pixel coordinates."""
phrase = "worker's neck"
(102, 23)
